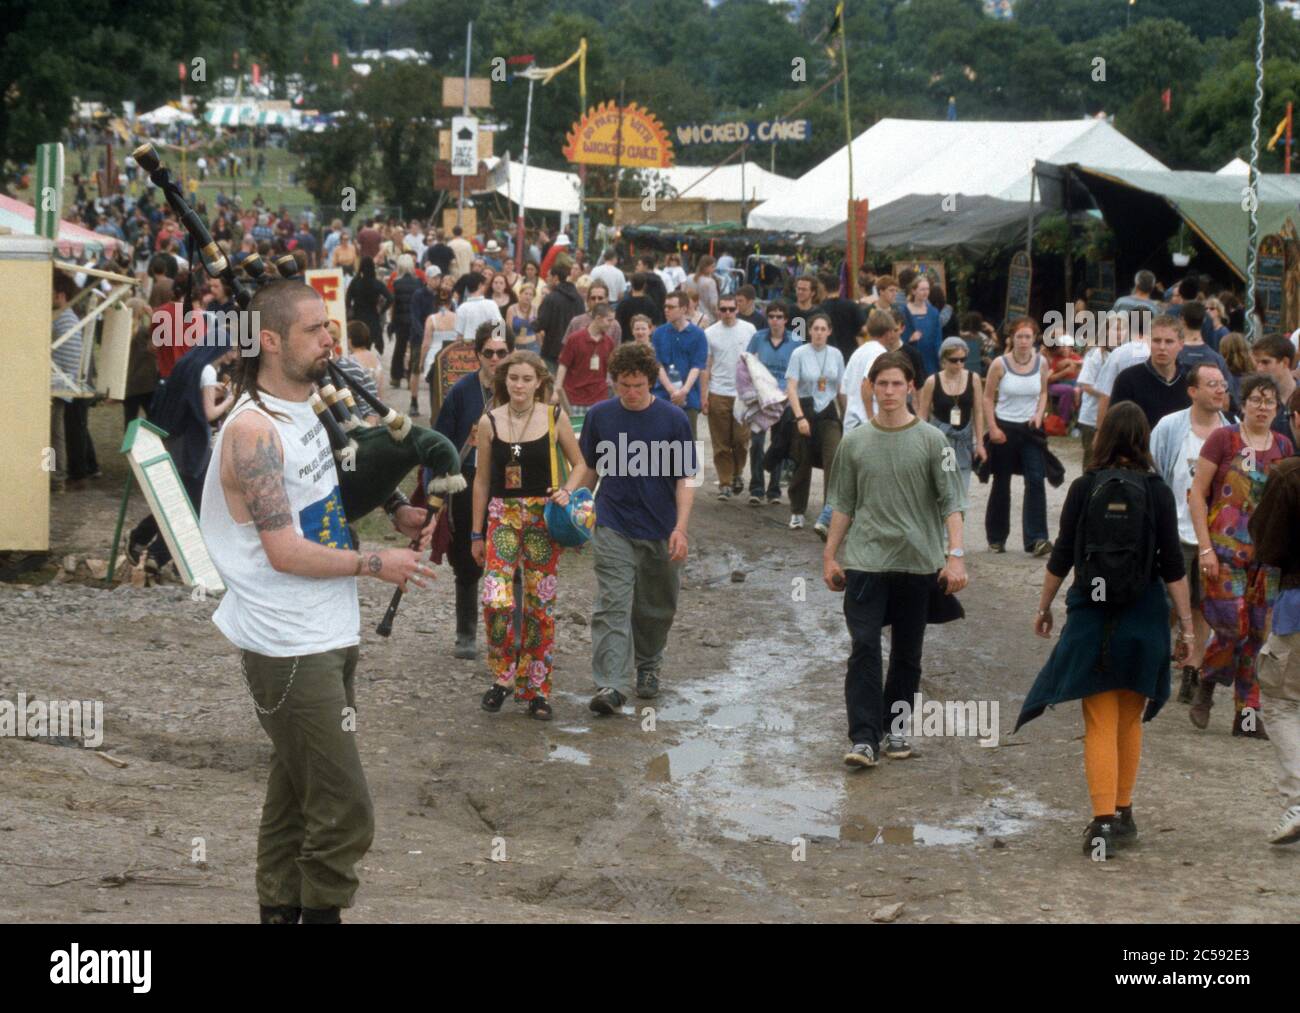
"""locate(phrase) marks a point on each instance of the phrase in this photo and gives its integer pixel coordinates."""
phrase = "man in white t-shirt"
(882, 336)
(476, 309)
(273, 521)
(609, 273)
(1130, 351)
(727, 339)
(1176, 445)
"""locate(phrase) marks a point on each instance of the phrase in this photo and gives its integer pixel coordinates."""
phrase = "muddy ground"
(693, 815)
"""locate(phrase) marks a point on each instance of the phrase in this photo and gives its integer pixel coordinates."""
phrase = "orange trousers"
(1112, 747)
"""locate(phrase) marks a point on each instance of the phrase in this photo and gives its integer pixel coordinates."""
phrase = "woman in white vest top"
(1015, 399)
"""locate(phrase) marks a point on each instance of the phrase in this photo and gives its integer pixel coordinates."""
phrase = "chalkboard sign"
(1268, 282)
(456, 359)
(1101, 285)
(1018, 285)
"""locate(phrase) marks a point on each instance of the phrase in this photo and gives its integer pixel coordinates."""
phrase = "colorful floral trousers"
(517, 536)
(1236, 608)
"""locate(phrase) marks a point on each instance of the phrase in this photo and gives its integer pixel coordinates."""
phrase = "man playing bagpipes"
(273, 520)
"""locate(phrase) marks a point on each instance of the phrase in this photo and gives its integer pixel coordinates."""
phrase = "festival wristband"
(361, 562)
(1206, 552)
(476, 536)
(394, 502)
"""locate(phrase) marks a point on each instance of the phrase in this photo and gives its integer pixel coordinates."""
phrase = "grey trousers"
(636, 600)
(1278, 670)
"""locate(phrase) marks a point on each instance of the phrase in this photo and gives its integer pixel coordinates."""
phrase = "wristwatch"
(956, 553)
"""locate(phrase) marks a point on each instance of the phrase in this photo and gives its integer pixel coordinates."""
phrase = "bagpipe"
(371, 460)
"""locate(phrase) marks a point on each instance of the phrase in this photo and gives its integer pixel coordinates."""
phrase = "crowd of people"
(897, 400)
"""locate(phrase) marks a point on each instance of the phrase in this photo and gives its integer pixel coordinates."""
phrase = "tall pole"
(852, 244)
(1286, 157)
(582, 168)
(618, 150)
(1252, 197)
(523, 181)
(469, 42)
(744, 150)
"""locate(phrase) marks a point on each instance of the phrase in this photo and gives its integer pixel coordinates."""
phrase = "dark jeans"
(757, 442)
(397, 368)
(870, 599)
(135, 405)
(82, 462)
(1019, 448)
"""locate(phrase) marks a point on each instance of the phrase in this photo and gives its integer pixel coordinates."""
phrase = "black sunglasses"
(956, 358)
(494, 353)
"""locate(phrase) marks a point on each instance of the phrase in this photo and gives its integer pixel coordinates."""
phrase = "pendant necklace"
(515, 446)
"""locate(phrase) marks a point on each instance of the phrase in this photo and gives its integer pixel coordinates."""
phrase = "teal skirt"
(1103, 649)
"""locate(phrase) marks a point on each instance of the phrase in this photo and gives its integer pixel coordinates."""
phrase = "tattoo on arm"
(374, 564)
(259, 470)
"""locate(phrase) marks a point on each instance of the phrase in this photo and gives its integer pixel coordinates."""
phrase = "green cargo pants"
(317, 820)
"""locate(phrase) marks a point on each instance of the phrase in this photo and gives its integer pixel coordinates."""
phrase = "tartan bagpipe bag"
(570, 525)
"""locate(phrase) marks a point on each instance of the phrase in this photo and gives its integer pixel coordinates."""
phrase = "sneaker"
(1191, 679)
(724, 492)
(796, 522)
(774, 500)
(896, 747)
(1288, 830)
(1199, 712)
(997, 547)
(738, 485)
(1042, 547)
(1124, 830)
(861, 755)
(1256, 730)
(755, 499)
(607, 701)
(1099, 838)
(647, 685)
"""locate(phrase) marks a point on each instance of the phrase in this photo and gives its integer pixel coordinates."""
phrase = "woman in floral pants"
(510, 497)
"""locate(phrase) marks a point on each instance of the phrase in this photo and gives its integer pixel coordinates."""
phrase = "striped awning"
(73, 240)
(248, 116)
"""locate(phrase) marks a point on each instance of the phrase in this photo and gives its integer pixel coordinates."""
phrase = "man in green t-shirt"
(894, 489)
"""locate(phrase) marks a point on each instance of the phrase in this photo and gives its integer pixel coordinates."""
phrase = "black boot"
(1191, 679)
(466, 619)
(321, 916)
(280, 915)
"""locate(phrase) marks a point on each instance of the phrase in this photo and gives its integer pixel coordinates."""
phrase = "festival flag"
(833, 29)
(257, 75)
(334, 60)
(1279, 132)
(515, 61)
(180, 69)
(1167, 99)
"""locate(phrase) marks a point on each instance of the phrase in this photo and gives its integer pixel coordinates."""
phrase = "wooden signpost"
(1268, 282)
(455, 360)
(160, 482)
(1019, 282)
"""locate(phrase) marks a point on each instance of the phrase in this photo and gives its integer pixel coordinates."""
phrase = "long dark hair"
(1123, 441)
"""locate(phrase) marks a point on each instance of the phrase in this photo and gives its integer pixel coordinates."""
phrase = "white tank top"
(1018, 392)
(282, 615)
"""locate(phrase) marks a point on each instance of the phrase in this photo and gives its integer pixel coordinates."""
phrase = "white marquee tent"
(546, 189)
(896, 158)
(730, 182)
(1237, 167)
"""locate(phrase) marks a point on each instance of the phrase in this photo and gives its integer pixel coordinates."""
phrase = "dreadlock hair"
(275, 305)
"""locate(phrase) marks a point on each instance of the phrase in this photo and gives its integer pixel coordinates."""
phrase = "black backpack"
(1115, 542)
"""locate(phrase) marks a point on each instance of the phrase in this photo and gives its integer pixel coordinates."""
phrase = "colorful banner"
(745, 132)
(594, 140)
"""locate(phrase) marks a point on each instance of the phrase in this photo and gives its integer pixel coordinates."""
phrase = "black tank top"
(534, 460)
(944, 403)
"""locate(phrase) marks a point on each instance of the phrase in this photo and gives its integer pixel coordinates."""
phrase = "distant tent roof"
(965, 225)
(544, 189)
(73, 241)
(164, 115)
(896, 158)
(249, 114)
(730, 182)
(1146, 207)
(1237, 167)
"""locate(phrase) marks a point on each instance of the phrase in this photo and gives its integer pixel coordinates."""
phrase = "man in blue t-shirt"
(642, 452)
(683, 353)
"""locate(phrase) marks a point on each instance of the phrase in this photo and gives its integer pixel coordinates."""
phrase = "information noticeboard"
(456, 359)
(160, 482)
(1019, 282)
(1268, 281)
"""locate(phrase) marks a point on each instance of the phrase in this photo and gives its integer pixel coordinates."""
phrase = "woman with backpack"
(1119, 533)
(1238, 592)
